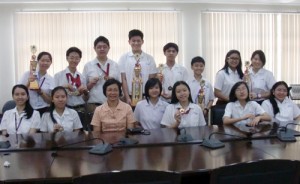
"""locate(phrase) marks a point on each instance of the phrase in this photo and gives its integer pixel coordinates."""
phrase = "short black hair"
(171, 45)
(101, 39)
(111, 82)
(74, 49)
(150, 84)
(232, 96)
(174, 98)
(261, 56)
(41, 54)
(197, 59)
(135, 32)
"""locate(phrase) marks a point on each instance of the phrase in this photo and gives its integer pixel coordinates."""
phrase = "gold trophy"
(137, 85)
(160, 74)
(247, 78)
(72, 90)
(201, 95)
(34, 85)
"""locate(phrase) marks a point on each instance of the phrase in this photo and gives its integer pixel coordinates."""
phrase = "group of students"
(170, 95)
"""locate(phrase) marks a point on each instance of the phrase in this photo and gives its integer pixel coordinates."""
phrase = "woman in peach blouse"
(113, 115)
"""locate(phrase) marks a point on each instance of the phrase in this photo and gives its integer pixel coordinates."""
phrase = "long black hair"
(239, 66)
(232, 96)
(52, 105)
(28, 108)
(150, 84)
(272, 96)
(174, 98)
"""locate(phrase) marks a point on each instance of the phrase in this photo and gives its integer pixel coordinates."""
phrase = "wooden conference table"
(31, 156)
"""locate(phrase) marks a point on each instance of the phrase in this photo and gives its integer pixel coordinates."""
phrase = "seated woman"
(60, 117)
(182, 112)
(22, 119)
(149, 111)
(240, 110)
(279, 106)
(113, 115)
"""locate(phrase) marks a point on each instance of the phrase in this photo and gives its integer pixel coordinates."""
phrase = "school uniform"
(150, 115)
(193, 116)
(224, 81)
(15, 123)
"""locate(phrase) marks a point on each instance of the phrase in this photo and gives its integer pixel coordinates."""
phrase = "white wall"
(191, 28)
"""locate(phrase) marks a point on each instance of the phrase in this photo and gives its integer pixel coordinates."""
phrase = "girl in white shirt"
(279, 106)
(22, 119)
(240, 110)
(60, 117)
(182, 112)
(149, 111)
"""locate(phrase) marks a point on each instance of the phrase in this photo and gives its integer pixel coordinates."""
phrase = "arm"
(228, 120)
(218, 93)
(125, 88)
(262, 117)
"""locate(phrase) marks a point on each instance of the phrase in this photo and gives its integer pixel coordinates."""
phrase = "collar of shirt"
(259, 71)
(231, 71)
(130, 54)
(66, 112)
(178, 106)
(75, 74)
(159, 103)
(286, 99)
(96, 61)
(15, 111)
(106, 108)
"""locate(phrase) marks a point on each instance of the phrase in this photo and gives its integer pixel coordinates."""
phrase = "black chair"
(216, 114)
(263, 171)
(8, 105)
(130, 177)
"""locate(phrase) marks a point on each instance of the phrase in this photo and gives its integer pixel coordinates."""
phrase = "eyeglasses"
(240, 89)
(75, 58)
(234, 58)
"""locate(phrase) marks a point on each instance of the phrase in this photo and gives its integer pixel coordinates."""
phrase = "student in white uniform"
(60, 117)
(40, 99)
(279, 106)
(262, 80)
(149, 111)
(182, 112)
(171, 72)
(240, 110)
(228, 76)
(198, 65)
(98, 71)
(128, 61)
(23, 119)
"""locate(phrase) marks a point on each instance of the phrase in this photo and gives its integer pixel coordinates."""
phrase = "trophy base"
(134, 102)
(34, 85)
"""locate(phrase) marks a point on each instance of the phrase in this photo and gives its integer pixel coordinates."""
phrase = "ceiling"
(261, 2)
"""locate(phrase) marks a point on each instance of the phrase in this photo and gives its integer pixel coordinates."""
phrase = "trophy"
(160, 74)
(201, 95)
(34, 85)
(73, 90)
(247, 78)
(137, 85)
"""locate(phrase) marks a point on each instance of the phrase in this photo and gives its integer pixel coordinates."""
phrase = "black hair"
(111, 82)
(150, 84)
(197, 59)
(74, 49)
(272, 96)
(41, 54)
(135, 32)
(232, 96)
(261, 56)
(171, 45)
(28, 108)
(52, 106)
(239, 66)
(174, 99)
(101, 39)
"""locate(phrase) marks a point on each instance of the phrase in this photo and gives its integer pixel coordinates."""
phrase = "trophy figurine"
(247, 78)
(201, 95)
(137, 85)
(160, 74)
(34, 85)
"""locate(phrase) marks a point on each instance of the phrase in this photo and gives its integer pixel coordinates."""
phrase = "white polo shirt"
(193, 118)
(61, 79)
(69, 121)
(91, 69)
(235, 110)
(150, 115)
(172, 75)
(224, 81)
(127, 63)
(46, 83)
(288, 110)
(195, 88)
(14, 123)
(262, 81)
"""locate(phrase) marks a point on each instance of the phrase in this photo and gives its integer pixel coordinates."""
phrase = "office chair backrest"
(217, 113)
(8, 105)
(264, 171)
(130, 177)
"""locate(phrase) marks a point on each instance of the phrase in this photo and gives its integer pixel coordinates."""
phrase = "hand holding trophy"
(247, 78)
(160, 75)
(201, 95)
(137, 83)
(33, 84)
